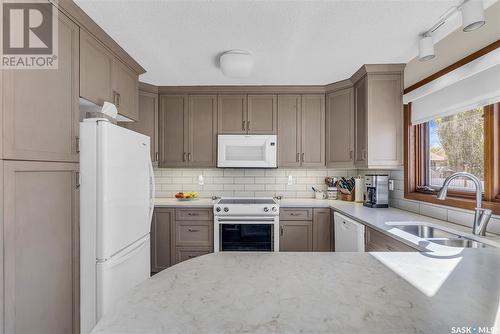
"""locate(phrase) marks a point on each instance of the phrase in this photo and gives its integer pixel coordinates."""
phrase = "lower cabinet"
(180, 234)
(162, 249)
(40, 244)
(296, 236)
(305, 230)
(322, 230)
(378, 242)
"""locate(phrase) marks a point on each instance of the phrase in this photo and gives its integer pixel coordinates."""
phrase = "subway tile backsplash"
(274, 182)
(245, 182)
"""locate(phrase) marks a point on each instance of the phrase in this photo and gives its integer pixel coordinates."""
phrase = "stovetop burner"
(246, 201)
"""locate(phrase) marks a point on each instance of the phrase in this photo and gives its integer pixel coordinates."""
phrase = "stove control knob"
(266, 209)
(226, 209)
(218, 209)
(274, 209)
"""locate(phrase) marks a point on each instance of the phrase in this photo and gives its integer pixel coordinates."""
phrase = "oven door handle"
(241, 220)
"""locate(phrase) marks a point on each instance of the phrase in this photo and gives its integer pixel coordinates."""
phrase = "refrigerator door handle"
(152, 190)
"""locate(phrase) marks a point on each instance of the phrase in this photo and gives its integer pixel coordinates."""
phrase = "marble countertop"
(315, 293)
(381, 219)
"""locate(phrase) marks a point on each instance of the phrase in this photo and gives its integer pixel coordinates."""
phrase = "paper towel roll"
(358, 189)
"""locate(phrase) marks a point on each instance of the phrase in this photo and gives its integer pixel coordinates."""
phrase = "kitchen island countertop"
(315, 293)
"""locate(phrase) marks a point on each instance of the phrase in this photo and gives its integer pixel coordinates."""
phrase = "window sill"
(456, 202)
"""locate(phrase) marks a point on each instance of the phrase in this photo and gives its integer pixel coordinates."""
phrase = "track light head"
(472, 15)
(426, 48)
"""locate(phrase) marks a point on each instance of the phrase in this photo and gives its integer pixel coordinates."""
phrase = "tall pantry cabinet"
(40, 269)
(39, 178)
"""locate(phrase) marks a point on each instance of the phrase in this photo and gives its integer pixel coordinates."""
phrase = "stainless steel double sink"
(439, 236)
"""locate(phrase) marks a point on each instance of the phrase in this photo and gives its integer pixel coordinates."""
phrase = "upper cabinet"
(301, 130)
(232, 114)
(188, 129)
(379, 117)
(105, 78)
(340, 128)
(262, 114)
(148, 120)
(41, 107)
(247, 114)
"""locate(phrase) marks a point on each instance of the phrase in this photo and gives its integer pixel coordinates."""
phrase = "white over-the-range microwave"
(247, 151)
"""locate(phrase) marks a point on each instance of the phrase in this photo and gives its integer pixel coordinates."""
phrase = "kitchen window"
(452, 124)
(467, 141)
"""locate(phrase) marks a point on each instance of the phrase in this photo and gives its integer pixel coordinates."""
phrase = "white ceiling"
(293, 42)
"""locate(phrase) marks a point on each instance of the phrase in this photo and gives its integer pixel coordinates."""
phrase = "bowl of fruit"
(187, 196)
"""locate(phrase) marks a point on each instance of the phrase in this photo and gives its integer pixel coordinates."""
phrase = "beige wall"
(456, 46)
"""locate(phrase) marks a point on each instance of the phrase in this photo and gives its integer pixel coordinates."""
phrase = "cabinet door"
(340, 128)
(148, 120)
(262, 114)
(295, 236)
(173, 130)
(96, 64)
(125, 84)
(41, 107)
(322, 230)
(313, 131)
(289, 133)
(161, 239)
(361, 114)
(385, 121)
(202, 131)
(378, 242)
(187, 253)
(41, 249)
(232, 114)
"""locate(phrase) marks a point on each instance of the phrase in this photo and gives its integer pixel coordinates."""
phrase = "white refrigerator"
(116, 207)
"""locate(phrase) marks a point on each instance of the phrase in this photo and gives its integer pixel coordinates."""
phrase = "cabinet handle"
(77, 144)
(193, 214)
(293, 214)
(184, 156)
(157, 156)
(298, 157)
(118, 99)
(193, 230)
(248, 125)
(281, 230)
(243, 125)
(350, 155)
(191, 256)
(364, 154)
(77, 177)
(303, 157)
(189, 156)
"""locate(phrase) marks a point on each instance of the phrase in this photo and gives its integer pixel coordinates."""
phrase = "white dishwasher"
(349, 234)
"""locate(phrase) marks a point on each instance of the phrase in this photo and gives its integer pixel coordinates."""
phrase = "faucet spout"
(481, 216)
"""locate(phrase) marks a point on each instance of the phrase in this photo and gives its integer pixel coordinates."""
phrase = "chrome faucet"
(481, 215)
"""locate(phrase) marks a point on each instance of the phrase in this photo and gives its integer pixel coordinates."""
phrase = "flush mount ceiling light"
(472, 15)
(426, 48)
(236, 63)
(472, 18)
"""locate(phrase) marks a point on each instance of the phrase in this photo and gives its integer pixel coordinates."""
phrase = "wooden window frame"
(415, 138)
(415, 164)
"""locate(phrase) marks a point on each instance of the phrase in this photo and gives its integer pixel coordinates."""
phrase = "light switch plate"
(391, 185)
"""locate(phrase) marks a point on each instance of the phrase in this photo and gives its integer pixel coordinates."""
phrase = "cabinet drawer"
(193, 214)
(186, 253)
(379, 242)
(296, 214)
(198, 233)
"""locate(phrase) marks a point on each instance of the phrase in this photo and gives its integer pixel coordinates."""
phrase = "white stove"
(246, 224)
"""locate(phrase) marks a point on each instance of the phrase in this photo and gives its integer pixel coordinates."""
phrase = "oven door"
(247, 235)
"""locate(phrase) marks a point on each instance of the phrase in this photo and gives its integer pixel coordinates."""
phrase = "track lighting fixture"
(472, 15)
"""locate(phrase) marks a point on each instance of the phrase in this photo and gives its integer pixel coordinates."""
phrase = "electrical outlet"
(391, 185)
(290, 180)
(201, 180)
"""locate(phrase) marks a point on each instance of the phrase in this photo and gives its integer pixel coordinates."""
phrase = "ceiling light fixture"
(236, 63)
(472, 18)
(472, 15)
(426, 48)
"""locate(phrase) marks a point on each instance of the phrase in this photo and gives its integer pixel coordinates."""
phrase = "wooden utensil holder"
(347, 197)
